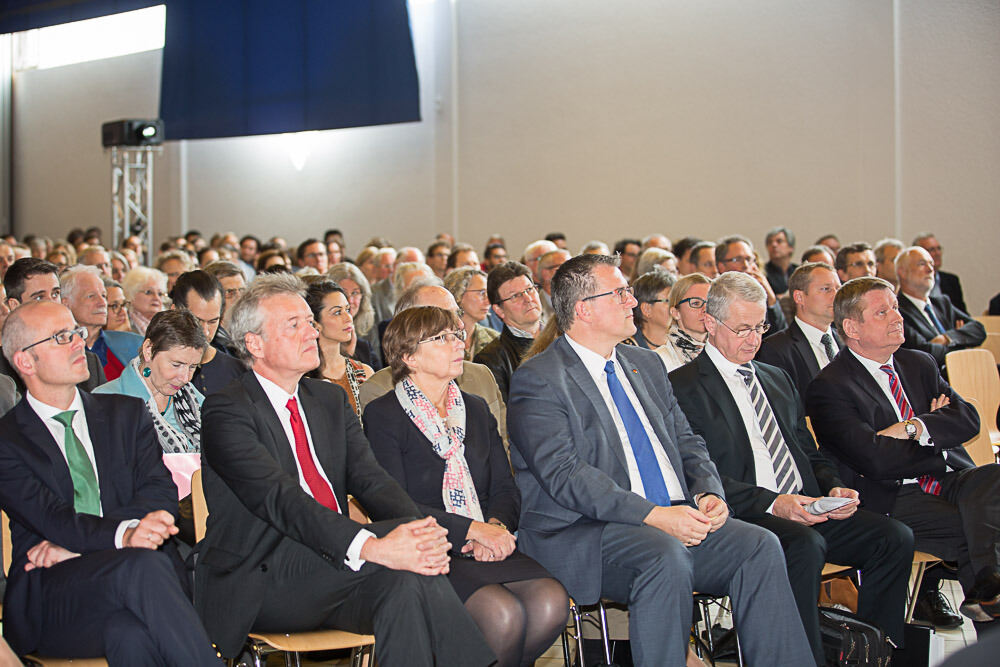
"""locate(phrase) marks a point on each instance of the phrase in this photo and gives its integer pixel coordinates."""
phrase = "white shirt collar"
(594, 362)
(918, 302)
(726, 367)
(874, 367)
(519, 332)
(813, 334)
(275, 394)
(46, 411)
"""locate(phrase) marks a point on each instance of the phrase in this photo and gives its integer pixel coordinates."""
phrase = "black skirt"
(468, 575)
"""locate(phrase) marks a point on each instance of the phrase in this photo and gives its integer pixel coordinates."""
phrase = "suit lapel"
(912, 387)
(915, 318)
(323, 437)
(803, 348)
(100, 432)
(725, 405)
(578, 373)
(856, 371)
(35, 432)
(262, 405)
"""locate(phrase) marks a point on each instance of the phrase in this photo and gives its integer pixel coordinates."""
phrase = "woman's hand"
(488, 542)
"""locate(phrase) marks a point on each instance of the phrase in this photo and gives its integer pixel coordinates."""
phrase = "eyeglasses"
(622, 294)
(234, 293)
(862, 264)
(446, 337)
(657, 301)
(476, 292)
(118, 306)
(64, 337)
(693, 302)
(523, 294)
(744, 332)
(154, 292)
(741, 259)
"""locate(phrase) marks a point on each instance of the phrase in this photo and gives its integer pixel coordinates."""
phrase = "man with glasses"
(735, 253)
(855, 260)
(514, 298)
(30, 279)
(619, 498)
(932, 324)
(95, 571)
(83, 292)
(809, 343)
(234, 284)
(752, 420)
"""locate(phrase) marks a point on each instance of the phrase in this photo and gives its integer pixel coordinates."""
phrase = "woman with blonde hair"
(687, 334)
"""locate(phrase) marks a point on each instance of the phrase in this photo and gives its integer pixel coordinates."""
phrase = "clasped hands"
(687, 524)
(489, 542)
(792, 506)
(152, 531)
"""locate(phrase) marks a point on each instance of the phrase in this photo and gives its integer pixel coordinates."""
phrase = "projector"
(132, 132)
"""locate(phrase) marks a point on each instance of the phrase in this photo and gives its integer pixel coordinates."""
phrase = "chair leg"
(739, 651)
(257, 655)
(917, 580)
(603, 614)
(578, 634)
(292, 659)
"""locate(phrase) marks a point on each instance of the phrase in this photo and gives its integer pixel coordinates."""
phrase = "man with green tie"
(94, 570)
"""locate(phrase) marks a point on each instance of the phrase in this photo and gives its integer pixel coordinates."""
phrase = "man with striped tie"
(751, 418)
(897, 429)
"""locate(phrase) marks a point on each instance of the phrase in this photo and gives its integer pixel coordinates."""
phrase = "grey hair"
(16, 334)
(179, 255)
(364, 319)
(789, 236)
(68, 279)
(651, 258)
(133, 281)
(904, 256)
(247, 317)
(90, 250)
(729, 287)
(457, 282)
(534, 247)
(574, 281)
(409, 298)
(407, 269)
(595, 245)
(923, 236)
(880, 247)
(722, 246)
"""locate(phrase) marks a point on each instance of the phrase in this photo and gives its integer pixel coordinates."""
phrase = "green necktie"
(86, 496)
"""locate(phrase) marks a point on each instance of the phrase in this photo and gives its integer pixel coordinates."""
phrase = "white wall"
(599, 119)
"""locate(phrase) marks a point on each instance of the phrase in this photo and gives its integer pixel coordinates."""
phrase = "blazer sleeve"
(540, 429)
(972, 333)
(503, 498)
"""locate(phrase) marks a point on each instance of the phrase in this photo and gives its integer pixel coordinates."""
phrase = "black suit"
(919, 331)
(848, 408)
(128, 604)
(790, 350)
(503, 356)
(880, 547)
(95, 380)
(948, 284)
(274, 559)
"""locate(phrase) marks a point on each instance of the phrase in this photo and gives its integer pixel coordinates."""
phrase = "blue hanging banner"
(238, 68)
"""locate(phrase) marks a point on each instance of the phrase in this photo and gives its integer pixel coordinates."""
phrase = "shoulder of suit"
(907, 355)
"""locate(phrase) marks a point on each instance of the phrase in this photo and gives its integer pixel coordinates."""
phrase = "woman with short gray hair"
(468, 285)
(146, 290)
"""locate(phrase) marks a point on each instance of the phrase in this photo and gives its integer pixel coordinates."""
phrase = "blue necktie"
(929, 309)
(642, 448)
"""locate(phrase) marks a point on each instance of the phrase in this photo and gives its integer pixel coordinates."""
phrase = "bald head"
(427, 295)
(915, 272)
(47, 363)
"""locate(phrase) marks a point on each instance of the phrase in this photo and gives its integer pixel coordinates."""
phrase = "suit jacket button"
(263, 567)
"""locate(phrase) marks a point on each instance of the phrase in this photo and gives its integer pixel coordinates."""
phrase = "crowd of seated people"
(520, 428)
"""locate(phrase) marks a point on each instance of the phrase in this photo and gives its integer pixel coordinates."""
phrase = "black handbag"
(849, 641)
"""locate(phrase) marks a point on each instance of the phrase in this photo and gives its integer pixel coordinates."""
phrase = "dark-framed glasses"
(622, 294)
(118, 306)
(694, 302)
(446, 337)
(744, 332)
(64, 337)
(523, 294)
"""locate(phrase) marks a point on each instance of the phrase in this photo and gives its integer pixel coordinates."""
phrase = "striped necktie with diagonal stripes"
(927, 483)
(785, 472)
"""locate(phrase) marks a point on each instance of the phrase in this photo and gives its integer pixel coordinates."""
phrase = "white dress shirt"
(47, 414)
(594, 363)
(882, 378)
(737, 386)
(279, 401)
(921, 305)
(813, 335)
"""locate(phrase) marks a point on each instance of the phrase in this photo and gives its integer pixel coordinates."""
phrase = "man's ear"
(498, 311)
(711, 326)
(850, 328)
(23, 362)
(799, 297)
(254, 344)
(581, 311)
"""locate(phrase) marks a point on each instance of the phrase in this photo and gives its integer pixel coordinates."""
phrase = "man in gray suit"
(620, 499)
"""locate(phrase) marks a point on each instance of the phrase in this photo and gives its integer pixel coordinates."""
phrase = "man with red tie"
(280, 456)
(896, 428)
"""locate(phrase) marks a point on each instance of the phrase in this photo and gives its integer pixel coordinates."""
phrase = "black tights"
(520, 619)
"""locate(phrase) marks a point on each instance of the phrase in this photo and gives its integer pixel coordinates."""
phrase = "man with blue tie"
(620, 499)
(931, 323)
(94, 571)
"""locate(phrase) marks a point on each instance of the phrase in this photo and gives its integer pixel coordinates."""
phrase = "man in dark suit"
(280, 456)
(945, 284)
(772, 471)
(809, 343)
(32, 279)
(931, 323)
(735, 253)
(780, 244)
(514, 298)
(619, 498)
(82, 477)
(896, 428)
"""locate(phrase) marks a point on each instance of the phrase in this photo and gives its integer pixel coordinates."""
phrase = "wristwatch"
(910, 427)
(498, 522)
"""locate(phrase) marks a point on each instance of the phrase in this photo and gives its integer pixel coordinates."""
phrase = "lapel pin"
(635, 370)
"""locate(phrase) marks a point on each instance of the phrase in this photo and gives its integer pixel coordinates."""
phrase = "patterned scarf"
(683, 341)
(457, 489)
(172, 441)
(139, 322)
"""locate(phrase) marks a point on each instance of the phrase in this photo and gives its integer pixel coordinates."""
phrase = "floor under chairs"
(292, 644)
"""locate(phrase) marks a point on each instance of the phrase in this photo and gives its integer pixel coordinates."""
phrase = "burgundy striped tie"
(927, 483)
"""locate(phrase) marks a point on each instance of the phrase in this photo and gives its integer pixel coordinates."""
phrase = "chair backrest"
(198, 505)
(980, 448)
(7, 542)
(992, 342)
(809, 425)
(973, 374)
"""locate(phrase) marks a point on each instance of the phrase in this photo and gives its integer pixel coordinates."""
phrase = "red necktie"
(927, 483)
(321, 491)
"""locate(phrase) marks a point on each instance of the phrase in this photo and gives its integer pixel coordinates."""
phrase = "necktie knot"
(293, 407)
(888, 370)
(65, 418)
(746, 373)
(609, 368)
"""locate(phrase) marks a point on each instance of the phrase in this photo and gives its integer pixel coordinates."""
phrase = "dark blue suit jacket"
(570, 466)
(36, 491)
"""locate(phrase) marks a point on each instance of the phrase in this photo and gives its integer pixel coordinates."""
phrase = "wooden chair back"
(973, 374)
(980, 448)
(992, 342)
(198, 505)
